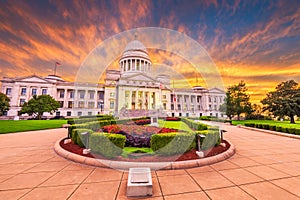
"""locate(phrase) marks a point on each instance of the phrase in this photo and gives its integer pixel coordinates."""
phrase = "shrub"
(291, 130)
(195, 125)
(108, 145)
(173, 143)
(75, 126)
(79, 139)
(250, 124)
(212, 138)
(259, 126)
(272, 127)
(278, 128)
(266, 126)
(297, 131)
(284, 129)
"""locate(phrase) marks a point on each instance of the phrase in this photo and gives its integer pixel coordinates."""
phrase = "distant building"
(128, 92)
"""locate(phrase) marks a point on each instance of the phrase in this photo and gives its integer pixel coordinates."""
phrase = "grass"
(174, 124)
(11, 126)
(270, 122)
(129, 150)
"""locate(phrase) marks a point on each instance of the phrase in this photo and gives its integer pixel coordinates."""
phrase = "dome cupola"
(135, 59)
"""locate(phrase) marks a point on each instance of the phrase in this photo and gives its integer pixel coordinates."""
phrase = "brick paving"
(265, 166)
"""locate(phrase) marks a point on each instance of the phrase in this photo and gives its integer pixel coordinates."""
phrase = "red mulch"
(190, 155)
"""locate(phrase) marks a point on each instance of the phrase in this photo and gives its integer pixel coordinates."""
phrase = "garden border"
(123, 165)
(270, 132)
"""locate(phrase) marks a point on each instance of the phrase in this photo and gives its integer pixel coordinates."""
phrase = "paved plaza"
(265, 166)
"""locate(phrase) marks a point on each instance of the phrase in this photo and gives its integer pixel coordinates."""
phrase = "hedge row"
(173, 143)
(274, 128)
(86, 119)
(212, 138)
(106, 144)
(195, 125)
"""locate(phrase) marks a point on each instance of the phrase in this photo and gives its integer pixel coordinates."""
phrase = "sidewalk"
(264, 167)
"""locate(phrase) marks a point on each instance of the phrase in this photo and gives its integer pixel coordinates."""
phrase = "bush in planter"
(79, 139)
(173, 143)
(297, 131)
(75, 126)
(284, 129)
(106, 144)
(212, 138)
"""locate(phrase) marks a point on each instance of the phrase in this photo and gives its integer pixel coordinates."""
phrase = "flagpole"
(55, 69)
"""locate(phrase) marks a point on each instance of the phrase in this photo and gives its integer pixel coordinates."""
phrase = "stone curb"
(271, 132)
(153, 165)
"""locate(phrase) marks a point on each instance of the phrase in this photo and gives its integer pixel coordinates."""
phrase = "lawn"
(270, 122)
(11, 126)
(174, 124)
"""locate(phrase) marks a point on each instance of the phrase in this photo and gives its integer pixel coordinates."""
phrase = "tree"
(4, 103)
(284, 101)
(227, 107)
(237, 100)
(40, 104)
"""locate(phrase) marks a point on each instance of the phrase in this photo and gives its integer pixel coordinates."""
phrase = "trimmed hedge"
(173, 143)
(197, 126)
(106, 144)
(274, 128)
(79, 139)
(212, 138)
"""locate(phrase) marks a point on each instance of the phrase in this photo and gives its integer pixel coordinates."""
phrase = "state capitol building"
(130, 91)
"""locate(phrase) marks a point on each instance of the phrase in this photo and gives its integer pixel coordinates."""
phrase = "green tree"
(227, 107)
(284, 101)
(40, 104)
(4, 103)
(237, 101)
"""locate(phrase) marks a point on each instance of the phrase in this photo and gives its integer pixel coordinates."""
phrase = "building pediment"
(138, 77)
(216, 90)
(33, 78)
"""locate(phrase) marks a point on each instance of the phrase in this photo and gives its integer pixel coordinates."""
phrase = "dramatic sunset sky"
(255, 41)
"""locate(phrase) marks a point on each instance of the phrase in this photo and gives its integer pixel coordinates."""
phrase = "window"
(112, 94)
(79, 113)
(22, 101)
(69, 113)
(81, 104)
(61, 103)
(101, 95)
(164, 96)
(100, 104)
(172, 106)
(198, 99)
(165, 106)
(215, 99)
(92, 95)
(8, 91)
(61, 94)
(89, 113)
(57, 113)
(209, 106)
(127, 93)
(70, 104)
(33, 91)
(209, 99)
(44, 91)
(91, 105)
(23, 91)
(215, 107)
(179, 107)
(72, 94)
(112, 105)
(81, 94)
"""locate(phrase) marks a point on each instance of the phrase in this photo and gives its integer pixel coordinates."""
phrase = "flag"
(57, 64)
(161, 86)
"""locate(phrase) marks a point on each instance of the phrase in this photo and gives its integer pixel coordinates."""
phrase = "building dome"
(135, 59)
(135, 45)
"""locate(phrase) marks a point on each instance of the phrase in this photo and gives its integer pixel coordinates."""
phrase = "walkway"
(264, 167)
